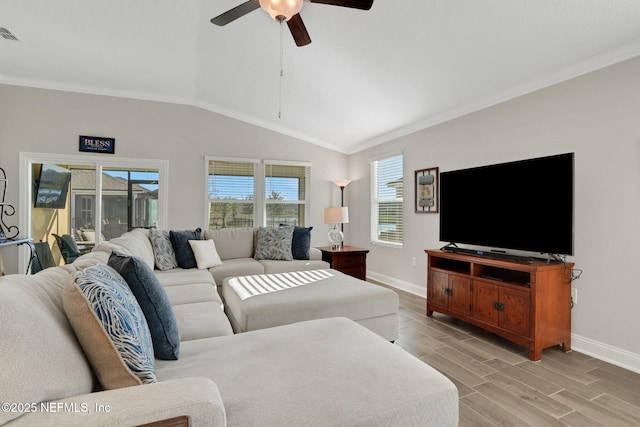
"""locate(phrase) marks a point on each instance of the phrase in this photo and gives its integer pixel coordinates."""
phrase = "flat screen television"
(523, 205)
(52, 187)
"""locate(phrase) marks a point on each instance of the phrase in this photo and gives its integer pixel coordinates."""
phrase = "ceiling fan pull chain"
(281, 73)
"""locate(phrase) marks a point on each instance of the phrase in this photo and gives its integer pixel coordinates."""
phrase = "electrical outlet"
(574, 295)
(413, 261)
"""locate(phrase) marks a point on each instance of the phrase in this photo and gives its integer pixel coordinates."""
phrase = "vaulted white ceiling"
(367, 77)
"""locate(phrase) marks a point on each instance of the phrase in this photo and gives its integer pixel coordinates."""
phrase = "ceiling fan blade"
(235, 13)
(298, 30)
(356, 4)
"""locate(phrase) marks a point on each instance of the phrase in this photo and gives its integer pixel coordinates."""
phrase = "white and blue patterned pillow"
(110, 326)
(274, 243)
(163, 251)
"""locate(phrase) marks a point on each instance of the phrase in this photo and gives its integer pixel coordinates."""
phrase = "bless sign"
(96, 144)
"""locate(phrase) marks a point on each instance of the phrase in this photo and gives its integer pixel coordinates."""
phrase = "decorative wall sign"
(427, 190)
(97, 144)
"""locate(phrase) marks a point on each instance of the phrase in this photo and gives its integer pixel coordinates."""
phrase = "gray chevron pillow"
(274, 243)
(163, 251)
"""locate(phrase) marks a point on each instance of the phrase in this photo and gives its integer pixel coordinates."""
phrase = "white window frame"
(257, 188)
(307, 187)
(27, 160)
(376, 200)
(259, 176)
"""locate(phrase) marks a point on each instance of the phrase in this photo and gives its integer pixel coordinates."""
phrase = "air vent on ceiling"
(8, 35)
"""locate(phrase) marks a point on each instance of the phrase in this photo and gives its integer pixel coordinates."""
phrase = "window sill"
(387, 244)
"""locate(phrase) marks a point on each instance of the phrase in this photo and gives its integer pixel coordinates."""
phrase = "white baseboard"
(614, 355)
(605, 352)
(412, 288)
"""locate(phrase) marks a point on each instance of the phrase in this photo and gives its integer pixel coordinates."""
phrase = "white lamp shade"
(286, 8)
(342, 182)
(336, 215)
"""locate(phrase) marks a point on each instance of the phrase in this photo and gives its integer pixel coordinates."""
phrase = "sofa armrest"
(196, 398)
(315, 254)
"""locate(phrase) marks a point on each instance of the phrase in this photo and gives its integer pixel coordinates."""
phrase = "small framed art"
(97, 144)
(426, 190)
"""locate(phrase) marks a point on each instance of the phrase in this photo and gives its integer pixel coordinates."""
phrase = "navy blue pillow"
(301, 242)
(153, 301)
(182, 248)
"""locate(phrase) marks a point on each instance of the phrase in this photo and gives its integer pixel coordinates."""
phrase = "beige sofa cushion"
(237, 267)
(189, 286)
(40, 358)
(188, 294)
(135, 242)
(180, 276)
(232, 242)
(201, 320)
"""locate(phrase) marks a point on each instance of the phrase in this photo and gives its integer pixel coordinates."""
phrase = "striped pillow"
(274, 243)
(163, 252)
(110, 327)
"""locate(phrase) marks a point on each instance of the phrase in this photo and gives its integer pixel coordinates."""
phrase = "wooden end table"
(347, 259)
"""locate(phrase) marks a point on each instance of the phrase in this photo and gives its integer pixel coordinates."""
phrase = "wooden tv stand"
(526, 303)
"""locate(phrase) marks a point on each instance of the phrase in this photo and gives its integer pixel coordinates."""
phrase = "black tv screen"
(523, 205)
(52, 187)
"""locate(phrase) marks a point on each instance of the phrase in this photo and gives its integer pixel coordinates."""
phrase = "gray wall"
(597, 116)
(48, 121)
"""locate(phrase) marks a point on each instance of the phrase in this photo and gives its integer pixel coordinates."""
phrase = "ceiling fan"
(286, 10)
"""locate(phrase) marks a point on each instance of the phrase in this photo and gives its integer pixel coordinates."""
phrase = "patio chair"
(43, 258)
(68, 248)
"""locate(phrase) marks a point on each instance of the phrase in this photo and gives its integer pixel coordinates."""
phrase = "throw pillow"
(153, 301)
(110, 327)
(88, 236)
(274, 243)
(163, 252)
(205, 253)
(180, 242)
(301, 242)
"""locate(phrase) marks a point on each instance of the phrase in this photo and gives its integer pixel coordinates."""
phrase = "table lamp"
(335, 216)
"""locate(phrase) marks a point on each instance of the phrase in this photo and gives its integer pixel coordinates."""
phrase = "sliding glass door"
(100, 201)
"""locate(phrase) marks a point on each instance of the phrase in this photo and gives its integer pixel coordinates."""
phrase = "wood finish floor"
(499, 386)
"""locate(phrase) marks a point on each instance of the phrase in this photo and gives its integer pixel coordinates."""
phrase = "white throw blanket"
(258, 284)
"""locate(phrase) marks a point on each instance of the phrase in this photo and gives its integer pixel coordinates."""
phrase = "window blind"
(387, 193)
(231, 190)
(286, 193)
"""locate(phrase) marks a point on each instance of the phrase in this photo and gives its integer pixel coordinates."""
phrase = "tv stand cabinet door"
(515, 316)
(485, 295)
(437, 289)
(460, 297)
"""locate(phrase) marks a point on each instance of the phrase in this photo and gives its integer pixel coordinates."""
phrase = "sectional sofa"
(58, 368)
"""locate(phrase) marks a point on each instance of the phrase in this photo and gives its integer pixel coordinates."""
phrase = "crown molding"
(594, 63)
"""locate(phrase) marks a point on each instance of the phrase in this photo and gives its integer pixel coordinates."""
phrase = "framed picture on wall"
(426, 190)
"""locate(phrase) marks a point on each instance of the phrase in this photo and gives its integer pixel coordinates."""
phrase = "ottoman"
(265, 300)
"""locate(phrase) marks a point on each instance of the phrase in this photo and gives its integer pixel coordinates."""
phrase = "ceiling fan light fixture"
(281, 9)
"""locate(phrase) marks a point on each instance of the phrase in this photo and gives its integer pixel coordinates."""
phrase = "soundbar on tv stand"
(493, 253)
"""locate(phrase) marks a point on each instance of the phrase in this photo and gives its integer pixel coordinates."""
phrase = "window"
(387, 191)
(286, 190)
(238, 198)
(231, 192)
